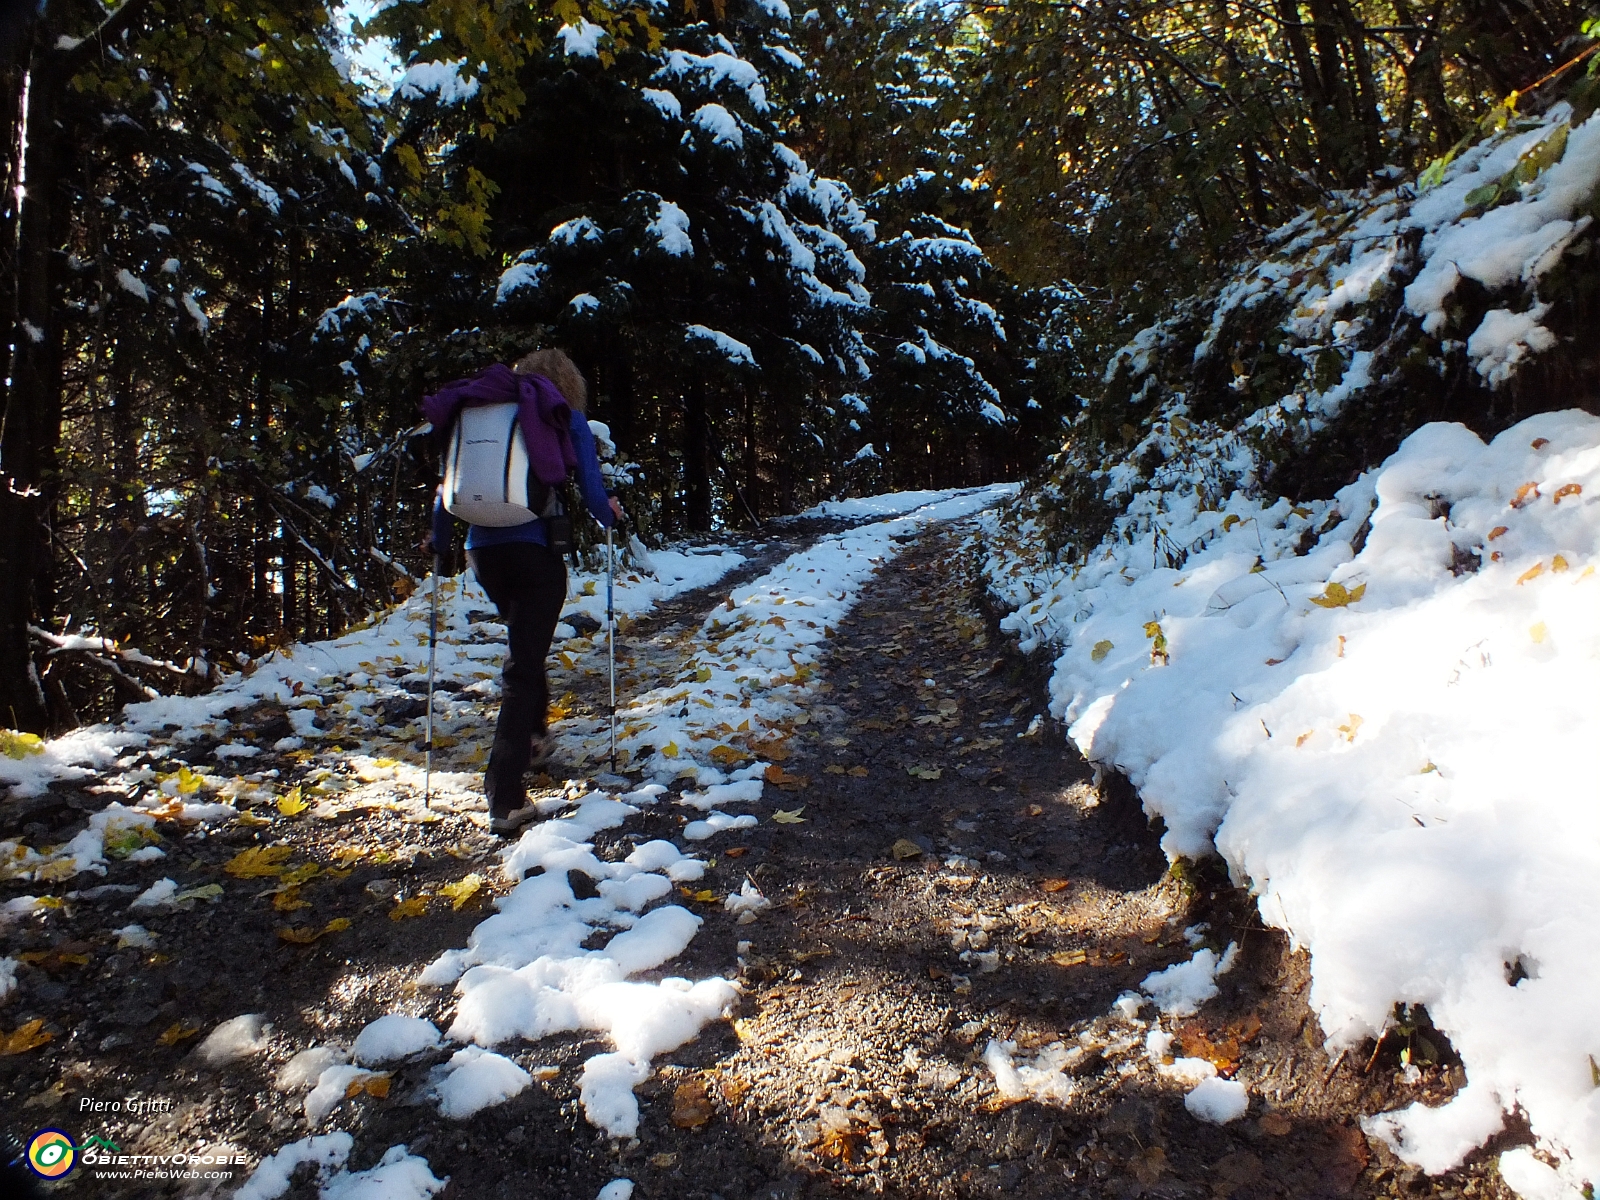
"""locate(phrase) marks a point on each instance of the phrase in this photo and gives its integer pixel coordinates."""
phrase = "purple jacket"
(544, 414)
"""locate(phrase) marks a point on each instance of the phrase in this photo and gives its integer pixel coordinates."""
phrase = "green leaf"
(1483, 197)
(1101, 649)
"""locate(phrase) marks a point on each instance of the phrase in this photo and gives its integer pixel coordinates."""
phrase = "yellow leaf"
(1303, 738)
(833, 769)
(209, 891)
(588, 588)
(20, 745)
(1538, 633)
(706, 896)
(857, 772)
(25, 1037)
(460, 893)
(789, 817)
(373, 1084)
(257, 862)
(251, 820)
(1349, 729)
(905, 848)
(290, 804)
(288, 899)
(305, 936)
(670, 750)
(1229, 521)
(703, 675)
(1337, 596)
(726, 755)
(412, 906)
(1532, 572)
(1497, 531)
(1567, 489)
(177, 1032)
(1101, 649)
(188, 782)
(1559, 564)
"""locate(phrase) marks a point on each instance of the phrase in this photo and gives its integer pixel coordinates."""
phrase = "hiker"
(521, 566)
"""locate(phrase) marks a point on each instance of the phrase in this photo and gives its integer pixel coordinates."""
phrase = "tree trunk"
(32, 425)
(696, 471)
(752, 455)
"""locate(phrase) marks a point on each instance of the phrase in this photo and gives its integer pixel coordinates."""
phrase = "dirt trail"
(955, 877)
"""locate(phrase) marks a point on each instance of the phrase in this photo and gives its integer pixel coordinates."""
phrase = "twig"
(1337, 1063)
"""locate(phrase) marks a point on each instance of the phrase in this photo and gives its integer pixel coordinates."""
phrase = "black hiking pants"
(528, 584)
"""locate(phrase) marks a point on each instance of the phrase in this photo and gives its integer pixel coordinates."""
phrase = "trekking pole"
(433, 656)
(611, 644)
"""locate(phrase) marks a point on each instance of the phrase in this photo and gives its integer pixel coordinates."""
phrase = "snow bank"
(1374, 707)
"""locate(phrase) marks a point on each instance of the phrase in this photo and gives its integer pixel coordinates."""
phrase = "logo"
(51, 1154)
(105, 1145)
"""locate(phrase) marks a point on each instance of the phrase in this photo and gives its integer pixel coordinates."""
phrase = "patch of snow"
(393, 1037)
(1218, 1101)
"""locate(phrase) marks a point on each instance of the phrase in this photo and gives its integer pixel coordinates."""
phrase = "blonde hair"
(560, 370)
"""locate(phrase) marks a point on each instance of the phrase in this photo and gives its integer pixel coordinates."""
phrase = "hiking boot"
(507, 823)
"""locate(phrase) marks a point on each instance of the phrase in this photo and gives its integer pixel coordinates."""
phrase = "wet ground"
(955, 876)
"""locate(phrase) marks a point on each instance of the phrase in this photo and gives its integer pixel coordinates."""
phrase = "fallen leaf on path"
(24, 1038)
(1101, 649)
(1275, 1124)
(691, 1107)
(304, 936)
(1497, 531)
(736, 851)
(858, 772)
(789, 816)
(1532, 572)
(411, 906)
(258, 862)
(726, 756)
(288, 899)
(733, 1090)
(461, 893)
(905, 848)
(177, 1032)
(788, 782)
(1567, 489)
(1148, 1165)
(1526, 494)
(1349, 729)
(207, 892)
(1056, 885)
(290, 804)
(373, 1085)
(20, 745)
(251, 820)
(833, 769)
(924, 772)
(1338, 596)
(839, 1143)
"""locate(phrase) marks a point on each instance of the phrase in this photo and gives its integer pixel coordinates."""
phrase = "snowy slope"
(1386, 702)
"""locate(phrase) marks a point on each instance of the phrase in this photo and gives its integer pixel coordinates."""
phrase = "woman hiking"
(516, 565)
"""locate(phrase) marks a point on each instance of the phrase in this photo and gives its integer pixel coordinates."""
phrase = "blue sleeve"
(589, 480)
(444, 527)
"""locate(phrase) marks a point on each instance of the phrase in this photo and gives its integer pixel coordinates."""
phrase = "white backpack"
(487, 477)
